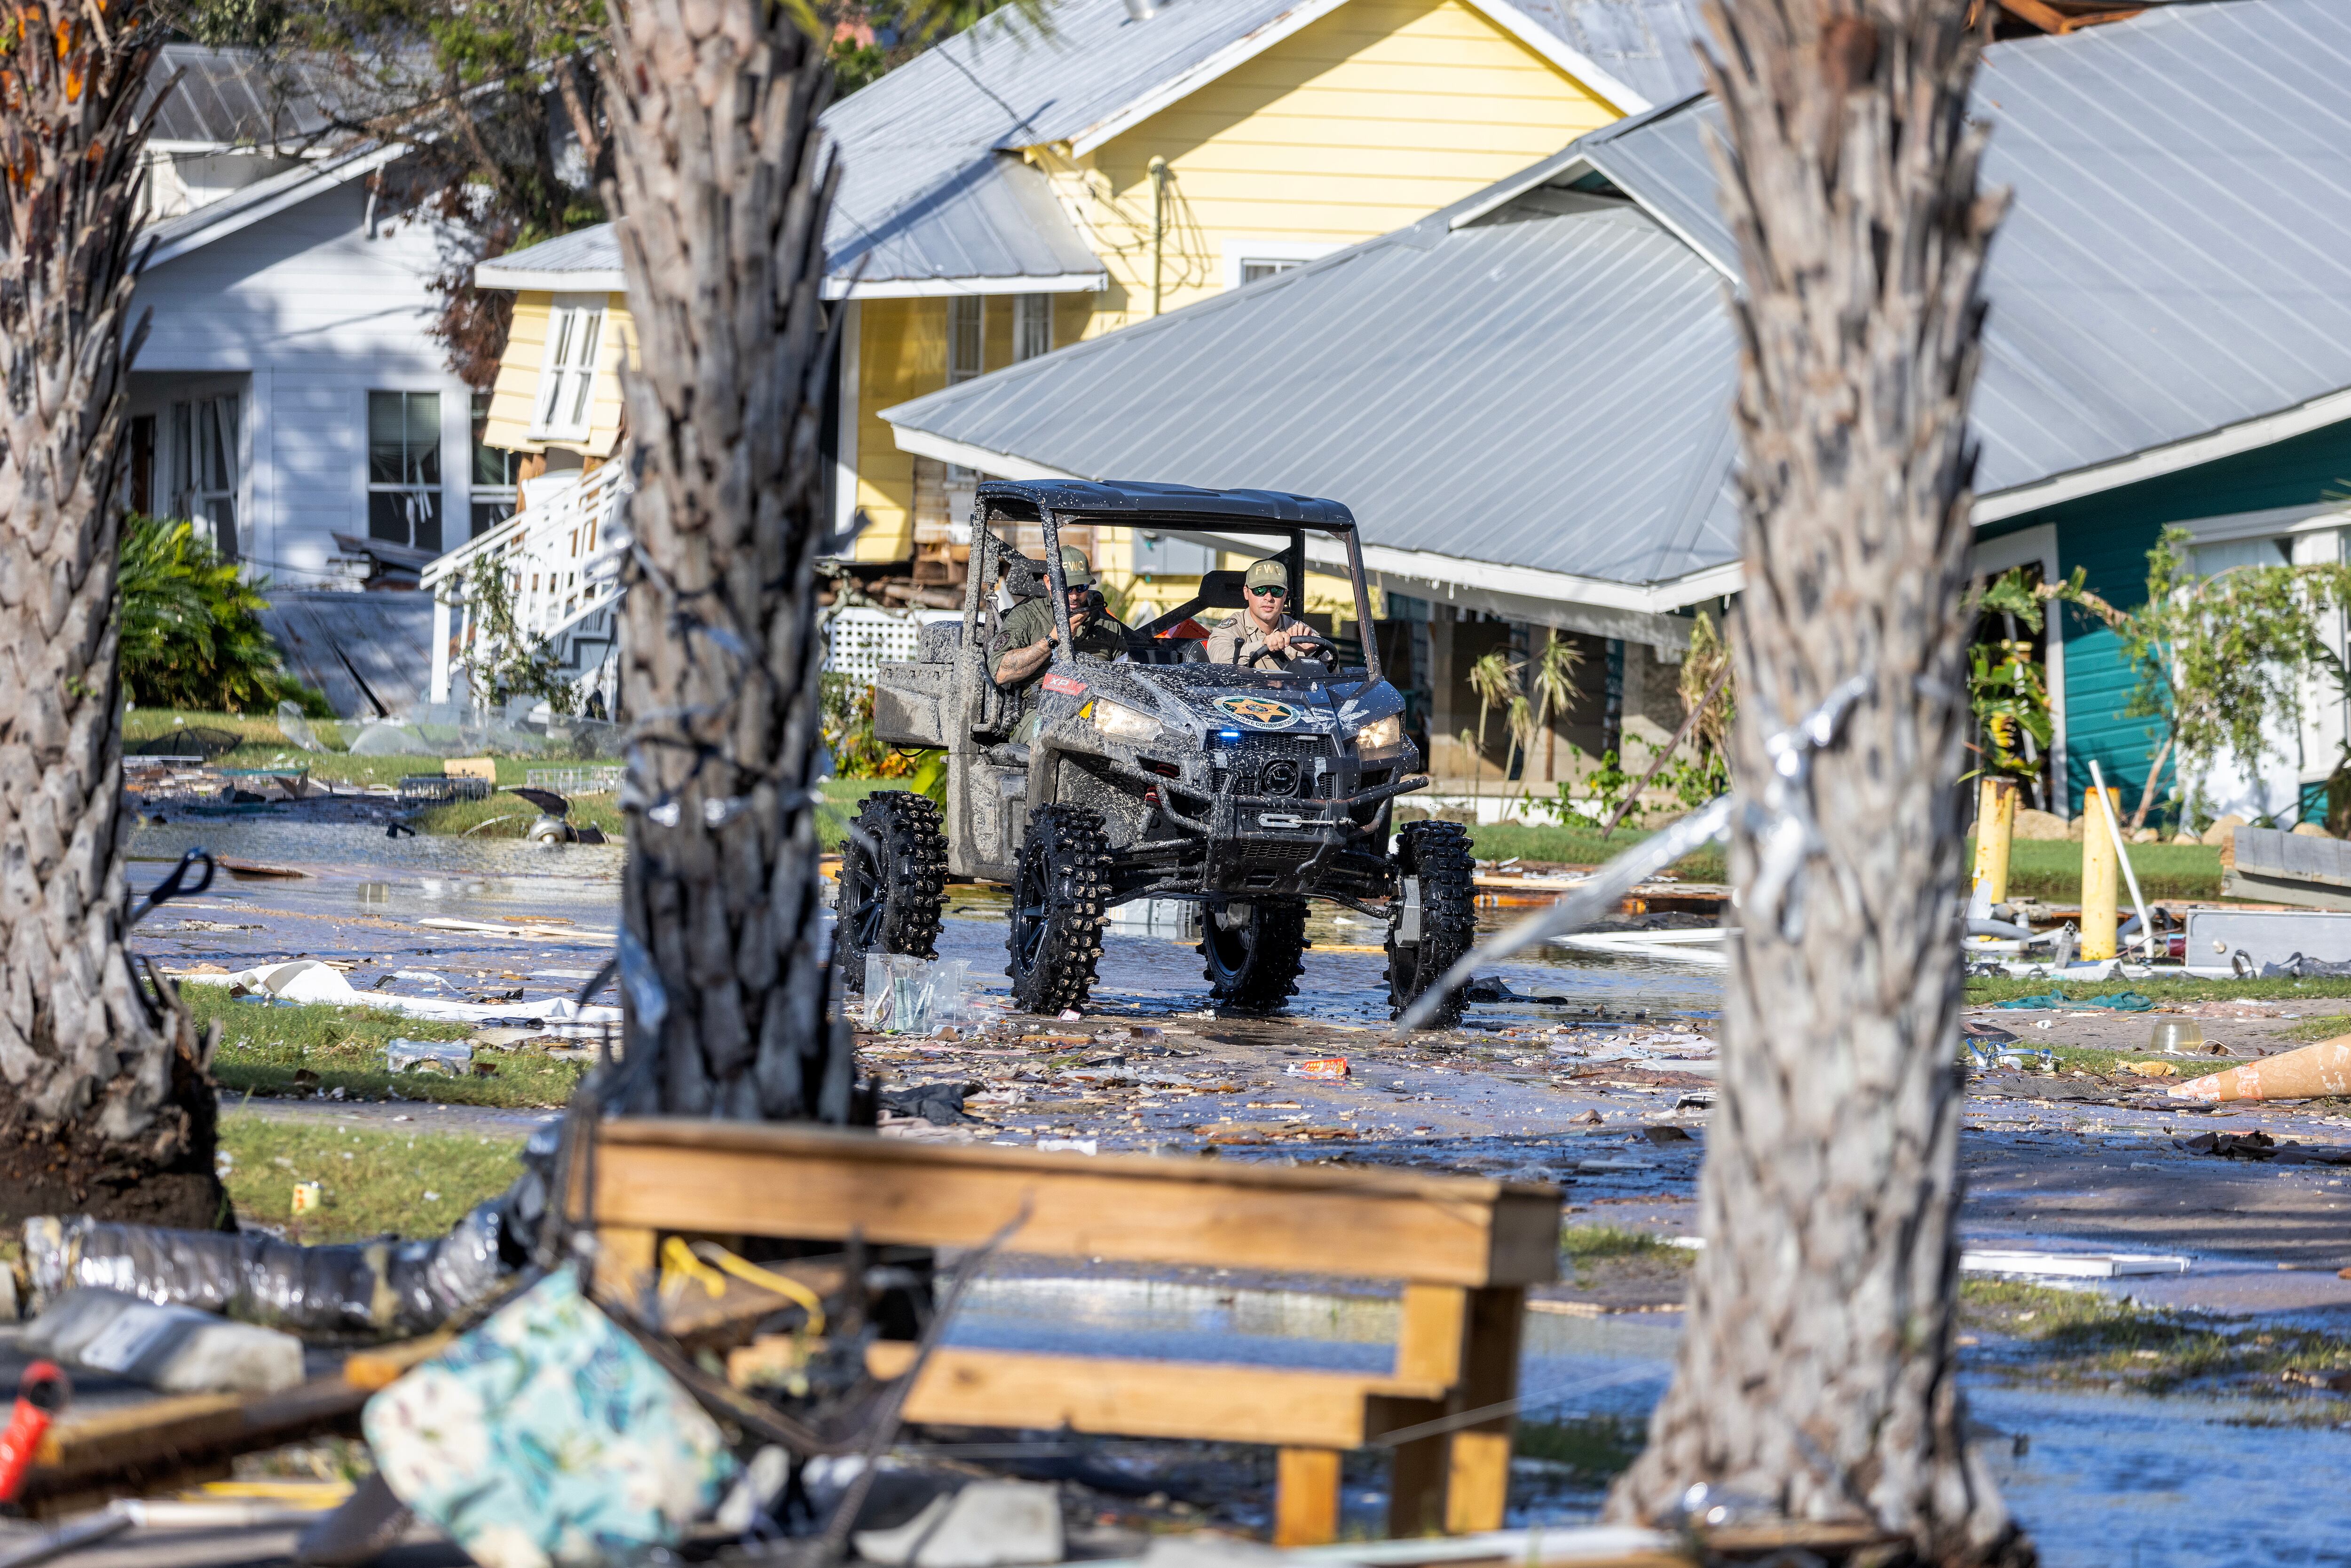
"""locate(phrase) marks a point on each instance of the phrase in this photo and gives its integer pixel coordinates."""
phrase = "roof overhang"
(839, 287)
(610, 280)
(569, 280)
(1644, 612)
(1243, 49)
(2247, 436)
(265, 199)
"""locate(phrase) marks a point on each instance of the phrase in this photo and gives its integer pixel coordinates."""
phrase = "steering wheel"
(1302, 641)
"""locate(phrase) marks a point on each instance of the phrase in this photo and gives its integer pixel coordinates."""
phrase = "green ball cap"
(1267, 574)
(1076, 571)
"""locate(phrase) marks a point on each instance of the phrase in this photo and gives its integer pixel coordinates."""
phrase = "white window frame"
(567, 371)
(967, 330)
(204, 491)
(1032, 325)
(1286, 253)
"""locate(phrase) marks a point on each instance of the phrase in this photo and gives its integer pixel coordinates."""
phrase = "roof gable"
(2162, 293)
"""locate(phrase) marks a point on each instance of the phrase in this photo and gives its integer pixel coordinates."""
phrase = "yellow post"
(2100, 865)
(1995, 827)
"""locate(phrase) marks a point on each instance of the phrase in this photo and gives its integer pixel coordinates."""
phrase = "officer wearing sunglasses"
(1261, 637)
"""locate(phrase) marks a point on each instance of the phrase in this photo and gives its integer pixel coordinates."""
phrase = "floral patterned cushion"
(549, 1437)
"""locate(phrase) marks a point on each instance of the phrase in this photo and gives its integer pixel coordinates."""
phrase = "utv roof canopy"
(1033, 497)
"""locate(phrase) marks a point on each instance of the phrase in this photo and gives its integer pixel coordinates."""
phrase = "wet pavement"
(1595, 1074)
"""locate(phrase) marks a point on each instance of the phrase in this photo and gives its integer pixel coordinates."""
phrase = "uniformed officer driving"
(1260, 638)
(1024, 645)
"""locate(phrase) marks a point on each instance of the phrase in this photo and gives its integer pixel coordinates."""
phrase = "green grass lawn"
(510, 816)
(263, 745)
(374, 1183)
(264, 1047)
(2050, 870)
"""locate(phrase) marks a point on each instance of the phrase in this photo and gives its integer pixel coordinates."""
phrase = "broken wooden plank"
(685, 1175)
(1134, 1398)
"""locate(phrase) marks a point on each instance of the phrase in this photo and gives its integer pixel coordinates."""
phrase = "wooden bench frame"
(1466, 1250)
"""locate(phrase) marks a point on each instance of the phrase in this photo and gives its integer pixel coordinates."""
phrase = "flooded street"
(1593, 1072)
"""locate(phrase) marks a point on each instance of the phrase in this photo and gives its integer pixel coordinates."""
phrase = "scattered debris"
(174, 1349)
(940, 1104)
(2260, 1145)
(448, 1058)
(987, 1524)
(1321, 1067)
(2069, 1265)
(544, 1430)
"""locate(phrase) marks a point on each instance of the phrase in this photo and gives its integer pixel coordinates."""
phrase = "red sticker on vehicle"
(1064, 684)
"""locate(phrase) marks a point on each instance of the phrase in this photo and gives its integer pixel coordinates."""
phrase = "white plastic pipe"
(2122, 854)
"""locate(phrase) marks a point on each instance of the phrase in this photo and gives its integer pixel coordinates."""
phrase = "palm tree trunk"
(105, 1108)
(722, 186)
(1816, 1373)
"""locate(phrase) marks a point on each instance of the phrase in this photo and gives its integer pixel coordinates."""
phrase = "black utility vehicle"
(1158, 775)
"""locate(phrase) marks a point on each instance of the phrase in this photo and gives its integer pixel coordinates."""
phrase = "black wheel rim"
(868, 904)
(1229, 950)
(1031, 909)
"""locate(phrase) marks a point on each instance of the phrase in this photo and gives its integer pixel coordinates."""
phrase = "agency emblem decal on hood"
(1262, 712)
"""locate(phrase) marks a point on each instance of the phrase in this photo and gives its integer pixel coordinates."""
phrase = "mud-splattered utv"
(1158, 775)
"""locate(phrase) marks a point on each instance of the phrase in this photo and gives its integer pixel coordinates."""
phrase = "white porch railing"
(561, 559)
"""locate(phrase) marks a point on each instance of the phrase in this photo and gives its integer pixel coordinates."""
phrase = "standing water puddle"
(2100, 1480)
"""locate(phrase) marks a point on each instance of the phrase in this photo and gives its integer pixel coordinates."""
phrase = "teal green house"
(1525, 397)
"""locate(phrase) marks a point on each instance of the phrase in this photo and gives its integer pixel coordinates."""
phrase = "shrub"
(192, 632)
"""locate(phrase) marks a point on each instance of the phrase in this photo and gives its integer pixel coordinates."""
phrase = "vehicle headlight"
(1120, 722)
(1381, 734)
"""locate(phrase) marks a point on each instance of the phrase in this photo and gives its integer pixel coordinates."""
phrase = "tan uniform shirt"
(1238, 641)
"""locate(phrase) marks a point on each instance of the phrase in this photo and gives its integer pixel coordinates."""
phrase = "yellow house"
(1019, 188)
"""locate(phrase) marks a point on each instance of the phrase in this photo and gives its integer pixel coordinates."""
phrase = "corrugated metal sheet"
(591, 249)
(369, 653)
(1530, 386)
(932, 187)
(2179, 256)
(2177, 260)
(1644, 44)
(995, 217)
(238, 96)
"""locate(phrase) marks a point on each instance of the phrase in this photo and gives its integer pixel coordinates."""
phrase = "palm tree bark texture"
(105, 1107)
(721, 186)
(1815, 1377)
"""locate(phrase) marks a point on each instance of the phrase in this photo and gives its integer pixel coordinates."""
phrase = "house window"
(497, 472)
(204, 467)
(141, 497)
(1032, 325)
(964, 319)
(2212, 561)
(404, 468)
(566, 378)
(1249, 259)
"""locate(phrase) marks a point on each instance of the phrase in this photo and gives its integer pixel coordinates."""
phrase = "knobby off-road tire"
(1060, 890)
(1438, 854)
(1254, 967)
(890, 892)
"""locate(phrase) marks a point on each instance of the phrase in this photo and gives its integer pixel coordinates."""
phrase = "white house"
(288, 395)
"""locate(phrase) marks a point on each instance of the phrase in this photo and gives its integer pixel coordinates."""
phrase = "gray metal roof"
(932, 188)
(229, 97)
(592, 253)
(2154, 279)
(1527, 389)
(1548, 390)
(1647, 45)
(919, 190)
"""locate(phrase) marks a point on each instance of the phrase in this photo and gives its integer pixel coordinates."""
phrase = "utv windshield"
(1320, 582)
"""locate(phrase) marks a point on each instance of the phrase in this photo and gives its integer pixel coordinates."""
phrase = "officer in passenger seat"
(1023, 646)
